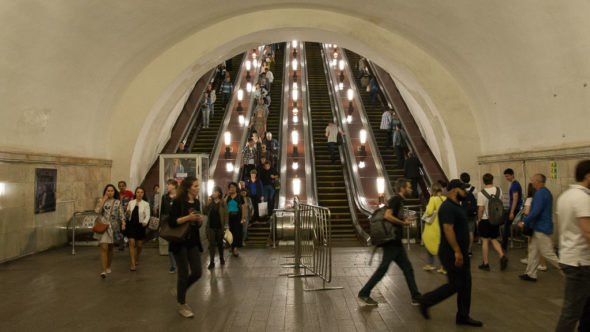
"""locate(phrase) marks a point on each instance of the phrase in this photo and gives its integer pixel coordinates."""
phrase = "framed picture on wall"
(45, 189)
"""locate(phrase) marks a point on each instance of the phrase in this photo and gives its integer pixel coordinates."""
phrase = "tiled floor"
(55, 291)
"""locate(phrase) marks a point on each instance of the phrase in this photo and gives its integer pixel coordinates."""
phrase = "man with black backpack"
(469, 204)
(393, 250)
(490, 216)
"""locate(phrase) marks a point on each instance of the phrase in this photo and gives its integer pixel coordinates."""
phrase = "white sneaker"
(109, 271)
(524, 261)
(185, 311)
(542, 268)
(428, 267)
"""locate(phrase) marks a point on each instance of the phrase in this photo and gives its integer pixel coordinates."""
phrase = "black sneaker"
(470, 254)
(415, 302)
(526, 277)
(503, 263)
(222, 261)
(485, 267)
(424, 310)
(367, 300)
(468, 321)
(211, 266)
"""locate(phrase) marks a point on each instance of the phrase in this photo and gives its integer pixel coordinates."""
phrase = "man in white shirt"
(573, 211)
(487, 231)
(386, 126)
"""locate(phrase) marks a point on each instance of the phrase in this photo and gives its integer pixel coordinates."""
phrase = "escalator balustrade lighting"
(227, 141)
(340, 86)
(229, 167)
(362, 164)
(341, 67)
(335, 55)
(363, 135)
(255, 63)
(294, 44)
(294, 85)
(240, 98)
(381, 190)
(295, 118)
(248, 66)
(350, 96)
(210, 185)
(295, 95)
(295, 140)
(241, 120)
(296, 187)
(295, 165)
(349, 119)
(294, 64)
(249, 87)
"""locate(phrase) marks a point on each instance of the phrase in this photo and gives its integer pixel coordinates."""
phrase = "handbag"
(429, 219)
(228, 237)
(154, 223)
(174, 234)
(262, 209)
(101, 224)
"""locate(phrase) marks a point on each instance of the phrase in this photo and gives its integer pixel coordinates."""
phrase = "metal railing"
(81, 225)
(313, 247)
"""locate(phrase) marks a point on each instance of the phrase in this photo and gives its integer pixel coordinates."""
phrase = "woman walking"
(138, 212)
(247, 212)
(216, 210)
(432, 231)
(111, 210)
(187, 209)
(167, 200)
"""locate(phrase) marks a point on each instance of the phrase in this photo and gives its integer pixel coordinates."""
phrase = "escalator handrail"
(375, 152)
(347, 175)
(308, 134)
(214, 156)
(195, 115)
(411, 146)
(249, 114)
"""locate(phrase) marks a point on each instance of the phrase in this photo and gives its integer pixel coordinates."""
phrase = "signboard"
(45, 189)
(554, 169)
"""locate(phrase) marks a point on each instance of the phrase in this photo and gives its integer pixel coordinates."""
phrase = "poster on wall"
(45, 189)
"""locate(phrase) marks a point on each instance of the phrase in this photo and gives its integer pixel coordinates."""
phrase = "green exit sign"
(554, 169)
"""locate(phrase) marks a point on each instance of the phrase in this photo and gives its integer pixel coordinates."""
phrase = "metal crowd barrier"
(313, 250)
(80, 228)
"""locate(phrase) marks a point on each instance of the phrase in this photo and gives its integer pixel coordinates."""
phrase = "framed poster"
(45, 189)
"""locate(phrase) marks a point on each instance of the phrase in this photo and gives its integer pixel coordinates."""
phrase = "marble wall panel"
(22, 232)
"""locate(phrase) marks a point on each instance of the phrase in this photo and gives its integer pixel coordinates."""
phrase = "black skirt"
(135, 229)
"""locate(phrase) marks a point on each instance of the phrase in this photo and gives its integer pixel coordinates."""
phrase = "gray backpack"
(496, 212)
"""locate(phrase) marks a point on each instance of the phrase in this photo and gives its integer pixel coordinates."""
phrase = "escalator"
(329, 177)
(374, 113)
(259, 232)
(206, 137)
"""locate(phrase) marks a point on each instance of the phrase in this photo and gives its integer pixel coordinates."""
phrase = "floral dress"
(112, 211)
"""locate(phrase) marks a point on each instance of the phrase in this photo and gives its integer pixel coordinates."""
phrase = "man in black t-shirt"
(393, 251)
(268, 176)
(453, 253)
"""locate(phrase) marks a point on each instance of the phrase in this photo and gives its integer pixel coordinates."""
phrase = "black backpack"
(496, 212)
(470, 204)
(381, 230)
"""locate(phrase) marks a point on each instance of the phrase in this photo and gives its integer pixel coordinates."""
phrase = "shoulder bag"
(101, 224)
(174, 234)
(429, 219)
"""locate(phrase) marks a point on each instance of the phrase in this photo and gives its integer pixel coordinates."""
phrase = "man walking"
(453, 254)
(386, 126)
(486, 230)
(412, 171)
(469, 204)
(573, 211)
(393, 251)
(399, 137)
(540, 219)
(515, 203)
(332, 135)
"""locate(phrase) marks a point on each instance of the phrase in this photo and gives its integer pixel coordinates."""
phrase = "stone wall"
(528, 164)
(80, 182)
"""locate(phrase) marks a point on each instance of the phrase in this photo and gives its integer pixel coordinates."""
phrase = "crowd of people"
(456, 213)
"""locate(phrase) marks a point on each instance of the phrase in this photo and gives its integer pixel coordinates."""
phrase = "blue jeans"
(206, 113)
(397, 254)
(331, 146)
(269, 191)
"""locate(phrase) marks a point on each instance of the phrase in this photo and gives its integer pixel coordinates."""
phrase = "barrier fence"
(313, 249)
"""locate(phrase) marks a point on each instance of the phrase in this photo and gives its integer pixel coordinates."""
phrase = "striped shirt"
(226, 87)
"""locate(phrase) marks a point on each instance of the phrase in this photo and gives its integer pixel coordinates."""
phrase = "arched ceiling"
(90, 78)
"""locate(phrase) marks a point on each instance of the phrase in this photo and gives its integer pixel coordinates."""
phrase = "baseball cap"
(456, 183)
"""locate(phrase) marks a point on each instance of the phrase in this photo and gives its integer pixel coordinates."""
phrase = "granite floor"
(55, 291)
